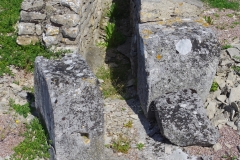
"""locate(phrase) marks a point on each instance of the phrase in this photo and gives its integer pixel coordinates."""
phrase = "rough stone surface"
(69, 100)
(39, 30)
(26, 28)
(70, 20)
(31, 16)
(70, 32)
(162, 68)
(159, 10)
(51, 30)
(50, 40)
(183, 120)
(234, 94)
(26, 40)
(72, 4)
(32, 5)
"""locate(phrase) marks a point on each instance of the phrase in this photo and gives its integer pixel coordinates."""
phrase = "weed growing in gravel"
(236, 57)
(34, 145)
(227, 4)
(140, 146)
(129, 124)
(226, 46)
(236, 69)
(121, 144)
(214, 87)
(20, 109)
(208, 19)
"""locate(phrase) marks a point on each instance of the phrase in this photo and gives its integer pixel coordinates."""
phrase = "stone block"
(27, 40)
(171, 58)
(50, 40)
(32, 5)
(39, 30)
(51, 30)
(70, 102)
(26, 28)
(31, 16)
(70, 32)
(72, 4)
(68, 20)
(182, 119)
(161, 10)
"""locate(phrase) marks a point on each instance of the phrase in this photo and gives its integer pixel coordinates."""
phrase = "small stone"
(101, 80)
(26, 28)
(38, 29)
(26, 40)
(234, 94)
(234, 52)
(220, 81)
(231, 124)
(217, 147)
(15, 87)
(69, 20)
(222, 98)
(29, 5)
(31, 16)
(51, 30)
(70, 32)
(235, 106)
(228, 145)
(168, 149)
(50, 40)
(131, 82)
(72, 4)
(134, 116)
(211, 109)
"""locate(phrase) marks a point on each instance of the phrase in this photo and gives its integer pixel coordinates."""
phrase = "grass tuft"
(214, 87)
(221, 4)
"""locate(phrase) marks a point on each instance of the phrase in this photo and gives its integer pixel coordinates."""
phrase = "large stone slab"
(68, 97)
(161, 10)
(182, 119)
(32, 5)
(171, 58)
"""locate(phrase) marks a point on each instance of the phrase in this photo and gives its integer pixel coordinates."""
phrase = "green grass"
(11, 53)
(226, 46)
(140, 146)
(121, 144)
(129, 124)
(208, 19)
(9, 15)
(34, 146)
(114, 80)
(20, 109)
(227, 4)
(236, 69)
(214, 87)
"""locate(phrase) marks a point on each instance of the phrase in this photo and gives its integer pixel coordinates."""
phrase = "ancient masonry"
(62, 25)
(173, 55)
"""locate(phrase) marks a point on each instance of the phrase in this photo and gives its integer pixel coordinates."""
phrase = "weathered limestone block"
(70, 102)
(159, 10)
(182, 119)
(31, 16)
(69, 20)
(70, 41)
(72, 4)
(26, 40)
(70, 32)
(51, 30)
(26, 28)
(32, 5)
(171, 58)
(50, 40)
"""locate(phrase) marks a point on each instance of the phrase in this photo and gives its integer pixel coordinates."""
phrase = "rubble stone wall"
(62, 25)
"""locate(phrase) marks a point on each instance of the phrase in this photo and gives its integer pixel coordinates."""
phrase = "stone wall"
(62, 25)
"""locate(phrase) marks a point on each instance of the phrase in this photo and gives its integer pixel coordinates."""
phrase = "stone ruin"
(173, 55)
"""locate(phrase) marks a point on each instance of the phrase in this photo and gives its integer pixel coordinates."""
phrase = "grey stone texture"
(26, 28)
(171, 58)
(32, 5)
(182, 119)
(31, 16)
(70, 20)
(70, 102)
(78, 22)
